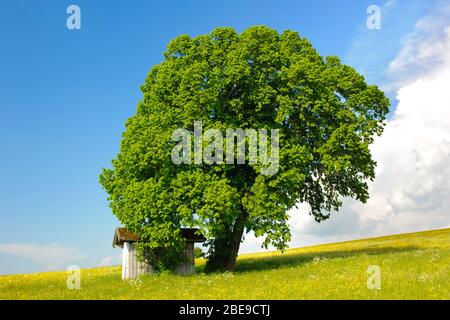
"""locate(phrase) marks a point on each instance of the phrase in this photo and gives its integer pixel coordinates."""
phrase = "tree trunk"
(225, 250)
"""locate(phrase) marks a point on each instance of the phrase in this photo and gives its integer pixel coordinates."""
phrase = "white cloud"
(50, 257)
(107, 261)
(110, 260)
(411, 191)
(371, 49)
(423, 49)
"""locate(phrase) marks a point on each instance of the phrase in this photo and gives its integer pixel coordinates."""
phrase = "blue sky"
(65, 96)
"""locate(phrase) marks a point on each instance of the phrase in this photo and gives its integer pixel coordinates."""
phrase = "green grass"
(413, 266)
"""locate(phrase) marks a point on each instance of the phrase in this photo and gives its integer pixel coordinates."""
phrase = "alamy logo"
(73, 21)
(236, 141)
(74, 277)
(374, 279)
(373, 21)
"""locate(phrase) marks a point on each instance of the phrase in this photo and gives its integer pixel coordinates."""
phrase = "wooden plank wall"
(131, 267)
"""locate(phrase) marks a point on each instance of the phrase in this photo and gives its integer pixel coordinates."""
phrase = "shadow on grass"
(296, 259)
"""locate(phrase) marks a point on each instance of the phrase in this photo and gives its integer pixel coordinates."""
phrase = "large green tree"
(326, 114)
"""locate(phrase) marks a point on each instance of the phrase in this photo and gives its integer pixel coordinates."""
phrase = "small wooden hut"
(132, 268)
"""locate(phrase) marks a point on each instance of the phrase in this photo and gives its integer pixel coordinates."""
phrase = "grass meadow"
(412, 266)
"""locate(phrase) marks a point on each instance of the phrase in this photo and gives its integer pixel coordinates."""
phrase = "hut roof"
(122, 235)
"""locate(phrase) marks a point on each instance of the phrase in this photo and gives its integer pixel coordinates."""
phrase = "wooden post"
(131, 266)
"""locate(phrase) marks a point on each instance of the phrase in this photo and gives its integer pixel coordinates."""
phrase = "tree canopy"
(325, 113)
